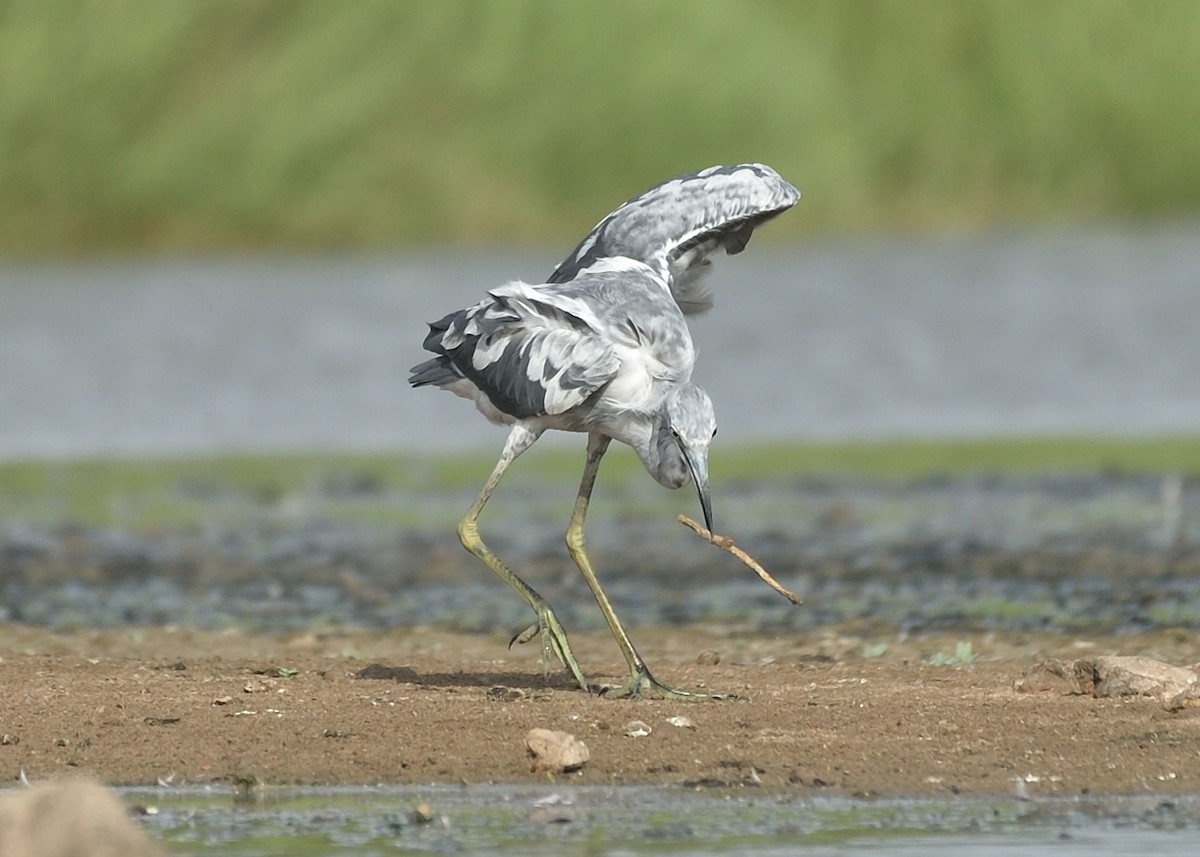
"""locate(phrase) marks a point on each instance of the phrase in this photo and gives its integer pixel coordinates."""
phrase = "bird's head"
(692, 423)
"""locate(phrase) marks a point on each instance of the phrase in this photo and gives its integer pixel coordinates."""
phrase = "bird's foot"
(642, 685)
(554, 644)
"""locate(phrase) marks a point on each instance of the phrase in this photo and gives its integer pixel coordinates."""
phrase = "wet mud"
(1106, 553)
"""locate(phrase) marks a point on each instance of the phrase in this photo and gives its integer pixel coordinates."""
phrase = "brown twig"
(727, 543)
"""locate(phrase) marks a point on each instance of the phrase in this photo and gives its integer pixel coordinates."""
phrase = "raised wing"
(530, 354)
(674, 226)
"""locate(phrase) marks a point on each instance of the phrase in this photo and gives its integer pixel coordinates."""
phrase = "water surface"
(554, 820)
(1074, 331)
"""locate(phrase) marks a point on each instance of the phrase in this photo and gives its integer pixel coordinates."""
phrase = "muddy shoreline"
(277, 644)
(139, 706)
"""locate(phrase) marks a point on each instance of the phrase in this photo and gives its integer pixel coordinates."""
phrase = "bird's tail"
(439, 372)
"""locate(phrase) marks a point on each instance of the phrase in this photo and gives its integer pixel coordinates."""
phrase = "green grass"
(916, 458)
(201, 125)
(410, 490)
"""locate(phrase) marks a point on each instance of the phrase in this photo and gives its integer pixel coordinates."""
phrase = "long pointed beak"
(697, 462)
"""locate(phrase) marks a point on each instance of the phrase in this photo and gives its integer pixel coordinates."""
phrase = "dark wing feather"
(529, 355)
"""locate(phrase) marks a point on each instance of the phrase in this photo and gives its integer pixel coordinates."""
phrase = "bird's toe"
(554, 644)
(645, 686)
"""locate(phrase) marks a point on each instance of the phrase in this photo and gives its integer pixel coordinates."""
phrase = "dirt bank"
(824, 711)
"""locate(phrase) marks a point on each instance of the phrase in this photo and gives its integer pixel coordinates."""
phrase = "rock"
(1132, 676)
(555, 752)
(1050, 676)
(70, 818)
(636, 729)
(1111, 676)
(708, 658)
(682, 722)
(1187, 698)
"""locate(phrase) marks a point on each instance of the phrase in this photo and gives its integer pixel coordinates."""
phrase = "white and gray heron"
(603, 348)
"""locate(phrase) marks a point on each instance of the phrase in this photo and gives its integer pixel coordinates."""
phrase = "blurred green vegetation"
(216, 125)
(380, 489)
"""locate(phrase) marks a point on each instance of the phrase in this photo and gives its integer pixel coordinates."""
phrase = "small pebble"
(681, 722)
(708, 658)
(636, 729)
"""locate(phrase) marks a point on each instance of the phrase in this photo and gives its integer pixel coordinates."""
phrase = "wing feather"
(674, 227)
(530, 354)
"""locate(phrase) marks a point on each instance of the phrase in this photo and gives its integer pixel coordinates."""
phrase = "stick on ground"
(727, 543)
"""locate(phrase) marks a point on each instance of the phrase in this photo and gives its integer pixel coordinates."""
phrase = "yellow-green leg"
(641, 682)
(553, 636)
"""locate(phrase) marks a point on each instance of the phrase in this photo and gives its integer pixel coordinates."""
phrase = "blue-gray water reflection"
(1075, 331)
(529, 821)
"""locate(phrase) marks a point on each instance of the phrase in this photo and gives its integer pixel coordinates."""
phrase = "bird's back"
(610, 339)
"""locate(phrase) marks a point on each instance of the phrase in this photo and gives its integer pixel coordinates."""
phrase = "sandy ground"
(412, 707)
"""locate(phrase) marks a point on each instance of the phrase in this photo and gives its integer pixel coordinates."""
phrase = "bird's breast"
(648, 370)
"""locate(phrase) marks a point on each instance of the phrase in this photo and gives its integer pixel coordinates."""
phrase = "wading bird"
(603, 348)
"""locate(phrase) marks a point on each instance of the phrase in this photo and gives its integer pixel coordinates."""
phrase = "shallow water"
(1074, 331)
(527, 821)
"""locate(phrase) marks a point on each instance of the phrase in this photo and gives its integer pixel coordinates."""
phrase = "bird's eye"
(674, 434)
(714, 432)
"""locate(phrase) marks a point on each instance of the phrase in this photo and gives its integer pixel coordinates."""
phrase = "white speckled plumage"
(592, 354)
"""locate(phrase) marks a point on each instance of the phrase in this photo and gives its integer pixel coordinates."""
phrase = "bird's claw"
(524, 636)
(554, 644)
(642, 685)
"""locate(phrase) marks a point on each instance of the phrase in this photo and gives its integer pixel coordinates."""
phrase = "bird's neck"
(660, 453)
